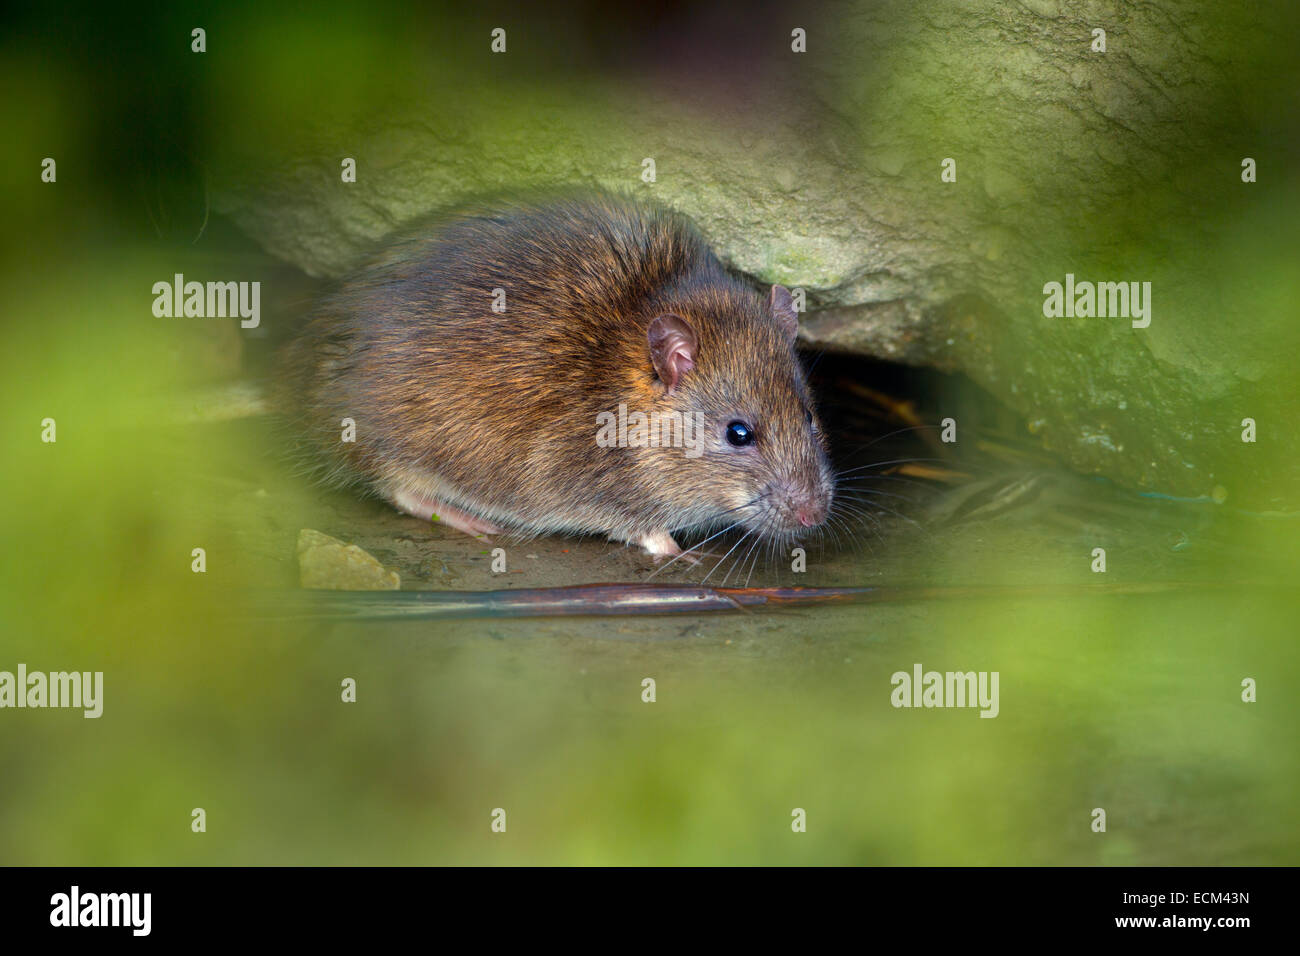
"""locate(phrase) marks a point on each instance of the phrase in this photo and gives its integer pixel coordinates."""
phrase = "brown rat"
(507, 420)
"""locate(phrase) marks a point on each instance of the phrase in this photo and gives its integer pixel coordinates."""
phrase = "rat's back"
(498, 265)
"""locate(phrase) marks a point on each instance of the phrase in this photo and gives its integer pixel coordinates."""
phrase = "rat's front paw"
(661, 545)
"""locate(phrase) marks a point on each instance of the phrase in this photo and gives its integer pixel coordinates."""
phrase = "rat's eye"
(740, 434)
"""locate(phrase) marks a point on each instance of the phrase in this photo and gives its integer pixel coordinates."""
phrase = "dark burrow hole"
(910, 436)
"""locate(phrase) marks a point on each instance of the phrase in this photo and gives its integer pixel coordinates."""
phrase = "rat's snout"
(810, 514)
(810, 509)
(800, 506)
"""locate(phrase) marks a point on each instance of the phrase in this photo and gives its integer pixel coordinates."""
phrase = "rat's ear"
(672, 348)
(781, 304)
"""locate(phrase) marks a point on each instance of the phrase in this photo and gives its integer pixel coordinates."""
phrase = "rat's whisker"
(899, 431)
(740, 562)
(877, 493)
(882, 464)
(727, 555)
(852, 505)
(700, 544)
(758, 553)
(852, 482)
(861, 518)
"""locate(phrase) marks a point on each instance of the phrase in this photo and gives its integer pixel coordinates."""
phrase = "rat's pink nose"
(801, 507)
(810, 514)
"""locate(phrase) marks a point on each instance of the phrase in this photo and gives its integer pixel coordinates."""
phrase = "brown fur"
(495, 413)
